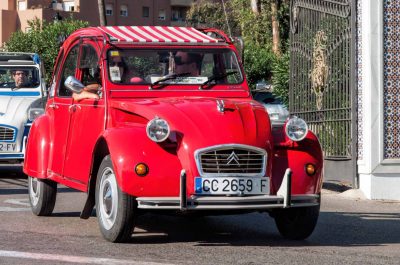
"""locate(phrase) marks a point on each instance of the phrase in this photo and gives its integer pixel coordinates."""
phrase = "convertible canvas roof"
(157, 34)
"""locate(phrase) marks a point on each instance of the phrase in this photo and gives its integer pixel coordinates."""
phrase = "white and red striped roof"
(157, 34)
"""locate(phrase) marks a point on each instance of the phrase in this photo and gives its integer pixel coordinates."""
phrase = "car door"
(58, 109)
(87, 119)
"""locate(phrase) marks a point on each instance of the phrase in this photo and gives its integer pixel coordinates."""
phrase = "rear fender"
(37, 148)
(296, 155)
(130, 146)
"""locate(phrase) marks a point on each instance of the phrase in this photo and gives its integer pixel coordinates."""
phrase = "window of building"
(69, 6)
(146, 11)
(161, 14)
(21, 5)
(109, 10)
(178, 14)
(124, 11)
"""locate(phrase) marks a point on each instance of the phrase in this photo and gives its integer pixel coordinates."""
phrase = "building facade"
(15, 14)
(379, 101)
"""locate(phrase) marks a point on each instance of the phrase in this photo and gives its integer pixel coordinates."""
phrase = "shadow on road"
(333, 229)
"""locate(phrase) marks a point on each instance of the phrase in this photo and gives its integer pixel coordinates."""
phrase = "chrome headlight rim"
(162, 126)
(300, 122)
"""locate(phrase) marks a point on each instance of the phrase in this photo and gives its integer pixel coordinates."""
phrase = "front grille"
(7, 134)
(231, 160)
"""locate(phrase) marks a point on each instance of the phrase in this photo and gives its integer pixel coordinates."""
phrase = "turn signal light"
(141, 169)
(310, 169)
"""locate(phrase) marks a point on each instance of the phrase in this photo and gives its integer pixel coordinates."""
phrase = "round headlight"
(296, 129)
(158, 130)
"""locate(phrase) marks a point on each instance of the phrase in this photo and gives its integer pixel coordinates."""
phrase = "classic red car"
(173, 127)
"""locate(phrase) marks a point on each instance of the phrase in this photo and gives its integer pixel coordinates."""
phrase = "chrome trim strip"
(198, 152)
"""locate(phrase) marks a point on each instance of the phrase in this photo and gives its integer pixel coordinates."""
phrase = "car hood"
(13, 110)
(199, 122)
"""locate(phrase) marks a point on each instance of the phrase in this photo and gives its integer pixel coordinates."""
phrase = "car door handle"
(74, 108)
(53, 106)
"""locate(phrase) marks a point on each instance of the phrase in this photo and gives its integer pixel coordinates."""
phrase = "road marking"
(12, 209)
(73, 259)
(23, 202)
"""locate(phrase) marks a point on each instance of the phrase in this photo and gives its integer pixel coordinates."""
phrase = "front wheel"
(42, 196)
(297, 223)
(115, 209)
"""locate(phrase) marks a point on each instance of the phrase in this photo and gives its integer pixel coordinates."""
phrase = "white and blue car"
(19, 104)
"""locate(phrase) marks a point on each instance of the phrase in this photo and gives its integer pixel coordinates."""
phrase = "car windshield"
(15, 77)
(174, 66)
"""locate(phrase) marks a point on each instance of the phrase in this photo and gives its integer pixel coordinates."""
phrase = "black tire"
(115, 209)
(297, 223)
(42, 196)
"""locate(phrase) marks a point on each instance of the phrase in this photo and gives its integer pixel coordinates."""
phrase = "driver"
(20, 78)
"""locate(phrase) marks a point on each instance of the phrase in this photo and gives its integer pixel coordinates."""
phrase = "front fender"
(37, 148)
(130, 146)
(295, 155)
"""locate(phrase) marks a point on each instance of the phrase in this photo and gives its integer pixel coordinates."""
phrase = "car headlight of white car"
(33, 113)
(296, 129)
(158, 130)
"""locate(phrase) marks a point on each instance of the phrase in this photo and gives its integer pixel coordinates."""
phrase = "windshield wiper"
(216, 78)
(168, 77)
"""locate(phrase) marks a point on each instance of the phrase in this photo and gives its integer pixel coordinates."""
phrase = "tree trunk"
(255, 6)
(276, 38)
(102, 13)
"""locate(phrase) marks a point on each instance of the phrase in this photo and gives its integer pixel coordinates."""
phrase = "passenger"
(186, 62)
(120, 73)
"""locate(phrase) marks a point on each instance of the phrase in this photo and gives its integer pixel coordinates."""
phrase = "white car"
(278, 113)
(22, 99)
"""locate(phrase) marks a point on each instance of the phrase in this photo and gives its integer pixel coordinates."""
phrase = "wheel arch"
(100, 151)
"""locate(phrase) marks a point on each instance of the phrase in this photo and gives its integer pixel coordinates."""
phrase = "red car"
(172, 127)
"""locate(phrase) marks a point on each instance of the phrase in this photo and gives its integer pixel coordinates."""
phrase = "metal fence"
(321, 83)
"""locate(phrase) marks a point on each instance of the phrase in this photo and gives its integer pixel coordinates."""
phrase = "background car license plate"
(8, 147)
(232, 185)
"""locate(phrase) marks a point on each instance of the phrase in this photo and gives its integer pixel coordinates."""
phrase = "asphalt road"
(349, 231)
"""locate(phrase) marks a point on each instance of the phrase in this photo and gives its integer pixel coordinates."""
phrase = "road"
(349, 231)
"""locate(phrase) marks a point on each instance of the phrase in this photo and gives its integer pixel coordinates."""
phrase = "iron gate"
(322, 87)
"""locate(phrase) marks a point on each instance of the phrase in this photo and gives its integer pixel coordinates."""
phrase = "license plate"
(232, 185)
(8, 147)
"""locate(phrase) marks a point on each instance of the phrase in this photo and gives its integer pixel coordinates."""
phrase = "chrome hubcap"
(34, 190)
(108, 201)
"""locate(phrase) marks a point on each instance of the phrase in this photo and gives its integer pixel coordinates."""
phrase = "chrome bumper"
(283, 199)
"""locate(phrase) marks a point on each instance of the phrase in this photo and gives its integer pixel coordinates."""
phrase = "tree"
(43, 39)
(276, 38)
(263, 25)
(102, 14)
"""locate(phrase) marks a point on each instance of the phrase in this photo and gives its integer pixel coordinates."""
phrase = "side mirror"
(73, 84)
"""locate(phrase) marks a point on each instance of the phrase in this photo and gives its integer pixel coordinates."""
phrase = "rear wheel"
(297, 223)
(42, 196)
(115, 209)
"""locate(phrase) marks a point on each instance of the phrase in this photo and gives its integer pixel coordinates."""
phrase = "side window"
(55, 75)
(89, 65)
(69, 68)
